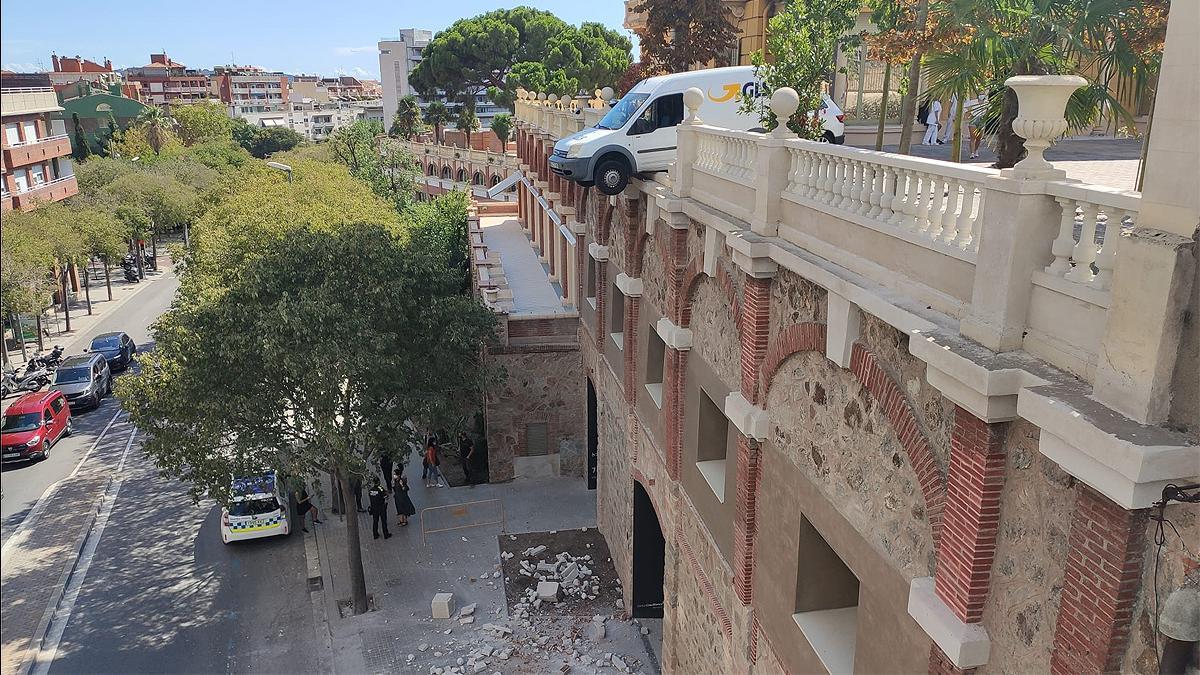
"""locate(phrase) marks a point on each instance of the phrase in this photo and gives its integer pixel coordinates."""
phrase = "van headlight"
(33, 441)
(574, 149)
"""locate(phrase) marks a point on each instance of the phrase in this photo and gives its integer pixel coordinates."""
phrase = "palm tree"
(437, 116)
(158, 124)
(466, 121)
(407, 123)
(502, 127)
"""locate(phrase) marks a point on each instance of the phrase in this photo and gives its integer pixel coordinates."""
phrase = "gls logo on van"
(728, 91)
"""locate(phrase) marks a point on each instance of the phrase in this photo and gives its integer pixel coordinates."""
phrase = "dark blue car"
(118, 349)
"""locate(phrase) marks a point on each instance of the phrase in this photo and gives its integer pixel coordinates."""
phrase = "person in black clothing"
(404, 505)
(378, 510)
(356, 485)
(466, 454)
(303, 506)
(385, 465)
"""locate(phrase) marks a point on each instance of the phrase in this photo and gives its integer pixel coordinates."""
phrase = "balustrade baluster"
(1065, 242)
(937, 207)
(847, 184)
(1106, 257)
(882, 198)
(899, 200)
(1084, 252)
(949, 222)
(965, 226)
(878, 184)
(864, 192)
(918, 186)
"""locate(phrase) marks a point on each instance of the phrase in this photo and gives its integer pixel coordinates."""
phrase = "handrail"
(25, 90)
(44, 139)
(41, 186)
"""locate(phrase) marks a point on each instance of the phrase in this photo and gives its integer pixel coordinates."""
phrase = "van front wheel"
(612, 175)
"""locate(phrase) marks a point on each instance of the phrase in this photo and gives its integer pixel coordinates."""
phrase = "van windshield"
(72, 375)
(21, 422)
(622, 111)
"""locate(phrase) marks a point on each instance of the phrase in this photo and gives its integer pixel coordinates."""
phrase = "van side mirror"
(640, 126)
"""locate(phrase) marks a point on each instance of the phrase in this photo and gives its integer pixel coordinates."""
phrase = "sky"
(321, 38)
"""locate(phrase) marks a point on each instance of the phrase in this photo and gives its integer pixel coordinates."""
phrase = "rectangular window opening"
(616, 325)
(537, 442)
(589, 291)
(826, 601)
(712, 444)
(656, 351)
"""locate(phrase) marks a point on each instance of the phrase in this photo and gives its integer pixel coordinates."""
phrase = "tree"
(502, 126)
(111, 134)
(391, 356)
(103, 237)
(202, 121)
(386, 166)
(437, 115)
(80, 150)
(25, 262)
(680, 36)
(440, 228)
(465, 120)
(270, 140)
(509, 48)
(150, 203)
(158, 127)
(803, 41)
(407, 122)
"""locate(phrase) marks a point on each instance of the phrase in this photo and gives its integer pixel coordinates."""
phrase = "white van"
(638, 134)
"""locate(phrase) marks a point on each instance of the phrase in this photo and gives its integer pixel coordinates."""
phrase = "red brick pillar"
(754, 327)
(602, 326)
(1104, 571)
(674, 372)
(967, 543)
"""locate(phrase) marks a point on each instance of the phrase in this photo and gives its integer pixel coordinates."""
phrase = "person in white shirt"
(931, 122)
(949, 132)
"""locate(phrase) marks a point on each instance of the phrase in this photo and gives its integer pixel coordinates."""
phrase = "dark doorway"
(593, 435)
(649, 557)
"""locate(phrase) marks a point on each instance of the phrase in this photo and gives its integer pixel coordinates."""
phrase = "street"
(152, 589)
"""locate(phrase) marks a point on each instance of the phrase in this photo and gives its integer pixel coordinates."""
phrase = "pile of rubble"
(561, 578)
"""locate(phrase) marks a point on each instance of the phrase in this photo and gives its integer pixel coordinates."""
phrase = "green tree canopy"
(437, 115)
(407, 122)
(202, 121)
(465, 119)
(481, 52)
(264, 141)
(502, 125)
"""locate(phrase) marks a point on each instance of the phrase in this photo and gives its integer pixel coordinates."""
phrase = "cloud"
(349, 51)
(22, 67)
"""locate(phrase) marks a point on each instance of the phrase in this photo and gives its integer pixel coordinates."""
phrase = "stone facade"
(877, 466)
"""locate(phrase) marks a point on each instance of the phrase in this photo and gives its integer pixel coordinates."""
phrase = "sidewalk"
(461, 528)
(81, 321)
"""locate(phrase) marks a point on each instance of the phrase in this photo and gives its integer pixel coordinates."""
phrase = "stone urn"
(1041, 118)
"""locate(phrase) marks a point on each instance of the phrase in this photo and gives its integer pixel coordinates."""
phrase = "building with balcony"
(247, 89)
(35, 149)
(313, 120)
(850, 411)
(69, 70)
(309, 87)
(163, 81)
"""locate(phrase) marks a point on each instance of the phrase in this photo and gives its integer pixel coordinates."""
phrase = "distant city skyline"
(307, 39)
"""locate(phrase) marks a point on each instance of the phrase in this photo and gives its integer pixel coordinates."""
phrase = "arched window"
(432, 169)
(446, 172)
(477, 179)
(495, 179)
(462, 175)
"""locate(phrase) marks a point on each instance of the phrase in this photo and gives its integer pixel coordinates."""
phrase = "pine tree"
(80, 149)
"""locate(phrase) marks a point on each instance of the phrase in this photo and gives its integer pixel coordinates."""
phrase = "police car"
(258, 508)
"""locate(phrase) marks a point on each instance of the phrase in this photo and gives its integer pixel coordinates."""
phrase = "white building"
(313, 120)
(397, 58)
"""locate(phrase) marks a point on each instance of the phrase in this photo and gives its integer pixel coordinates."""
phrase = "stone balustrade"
(1080, 255)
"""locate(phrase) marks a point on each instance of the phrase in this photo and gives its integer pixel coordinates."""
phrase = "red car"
(32, 424)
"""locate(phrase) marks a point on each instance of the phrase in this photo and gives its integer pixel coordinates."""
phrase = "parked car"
(33, 424)
(639, 134)
(117, 347)
(258, 508)
(84, 380)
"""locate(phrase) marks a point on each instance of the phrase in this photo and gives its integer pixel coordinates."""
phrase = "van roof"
(31, 402)
(652, 83)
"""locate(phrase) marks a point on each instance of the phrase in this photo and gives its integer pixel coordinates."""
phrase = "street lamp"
(282, 167)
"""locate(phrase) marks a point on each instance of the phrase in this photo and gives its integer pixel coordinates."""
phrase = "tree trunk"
(358, 577)
(66, 297)
(21, 336)
(87, 286)
(908, 110)
(957, 138)
(1010, 147)
(887, 82)
(137, 253)
(154, 248)
(107, 279)
(41, 339)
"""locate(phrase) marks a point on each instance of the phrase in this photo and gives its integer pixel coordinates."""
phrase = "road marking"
(19, 534)
(62, 615)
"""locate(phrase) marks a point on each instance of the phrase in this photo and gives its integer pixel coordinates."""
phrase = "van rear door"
(652, 135)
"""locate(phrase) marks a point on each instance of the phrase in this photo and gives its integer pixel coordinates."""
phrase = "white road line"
(62, 616)
(19, 534)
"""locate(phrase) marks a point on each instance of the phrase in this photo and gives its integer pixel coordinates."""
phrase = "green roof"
(100, 104)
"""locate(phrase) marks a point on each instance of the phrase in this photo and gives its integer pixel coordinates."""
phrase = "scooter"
(129, 266)
(33, 380)
(49, 361)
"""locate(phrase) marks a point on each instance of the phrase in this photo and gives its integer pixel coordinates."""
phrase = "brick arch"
(886, 393)
(447, 172)
(691, 281)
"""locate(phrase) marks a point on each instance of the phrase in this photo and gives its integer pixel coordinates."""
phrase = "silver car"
(84, 380)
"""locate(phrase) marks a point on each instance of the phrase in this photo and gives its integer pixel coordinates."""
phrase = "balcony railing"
(38, 150)
(51, 191)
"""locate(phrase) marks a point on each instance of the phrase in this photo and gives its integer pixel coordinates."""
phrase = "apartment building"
(35, 149)
(163, 81)
(397, 58)
(849, 412)
(309, 87)
(344, 87)
(315, 121)
(248, 89)
(71, 69)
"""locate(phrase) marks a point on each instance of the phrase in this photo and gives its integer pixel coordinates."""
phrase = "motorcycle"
(49, 361)
(34, 379)
(129, 266)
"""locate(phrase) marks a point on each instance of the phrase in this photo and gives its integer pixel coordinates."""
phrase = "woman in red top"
(435, 477)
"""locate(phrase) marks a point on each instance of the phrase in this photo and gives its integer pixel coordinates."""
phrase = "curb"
(29, 662)
(317, 597)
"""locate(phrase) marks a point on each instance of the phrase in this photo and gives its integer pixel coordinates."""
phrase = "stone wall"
(715, 333)
(614, 481)
(1031, 553)
(795, 300)
(539, 386)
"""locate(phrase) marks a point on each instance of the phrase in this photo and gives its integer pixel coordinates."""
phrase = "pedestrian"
(429, 438)
(404, 505)
(385, 465)
(975, 109)
(948, 134)
(356, 485)
(303, 506)
(435, 476)
(466, 454)
(931, 122)
(378, 509)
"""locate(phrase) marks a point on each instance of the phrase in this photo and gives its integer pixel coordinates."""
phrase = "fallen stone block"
(619, 663)
(594, 631)
(467, 610)
(423, 647)
(570, 572)
(549, 591)
(467, 620)
(442, 605)
(537, 550)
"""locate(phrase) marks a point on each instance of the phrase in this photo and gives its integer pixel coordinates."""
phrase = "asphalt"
(153, 588)
(22, 483)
